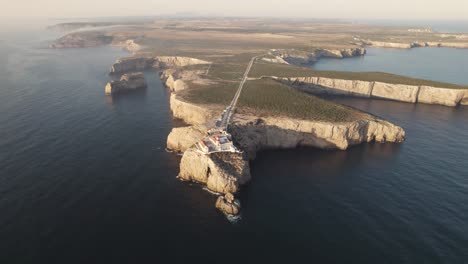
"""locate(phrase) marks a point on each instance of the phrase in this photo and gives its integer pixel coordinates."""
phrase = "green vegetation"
(282, 70)
(267, 97)
(219, 93)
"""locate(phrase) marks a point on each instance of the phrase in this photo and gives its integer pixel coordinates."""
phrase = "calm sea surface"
(84, 178)
(438, 64)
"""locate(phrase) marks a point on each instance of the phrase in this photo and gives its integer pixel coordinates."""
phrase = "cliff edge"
(398, 92)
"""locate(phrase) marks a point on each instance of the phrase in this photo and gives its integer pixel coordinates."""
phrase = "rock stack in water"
(228, 204)
(128, 82)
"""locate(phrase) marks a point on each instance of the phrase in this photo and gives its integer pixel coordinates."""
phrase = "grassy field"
(220, 93)
(267, 97)
(282, 70)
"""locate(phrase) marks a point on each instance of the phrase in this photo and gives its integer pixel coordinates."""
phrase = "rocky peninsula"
(203, 63)
(225, 173)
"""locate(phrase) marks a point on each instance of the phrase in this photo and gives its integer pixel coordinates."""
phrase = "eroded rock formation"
(221, 172)
(128, 82)
(228, 204)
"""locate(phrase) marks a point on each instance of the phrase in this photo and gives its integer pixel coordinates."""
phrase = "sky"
(346, 9)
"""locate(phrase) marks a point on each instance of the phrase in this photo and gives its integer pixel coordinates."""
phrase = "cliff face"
(253, 134)
(182, 138)
(191, 113)
(398, 45)
(132, 64)
(128, 82)
(144, 63)
(397, 92)
(175, 61)
(226, 172)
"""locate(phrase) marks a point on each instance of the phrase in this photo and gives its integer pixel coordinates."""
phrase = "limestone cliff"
(399, 45)
(397, 92)
(253, 134)
(131, 64)
(221, 172)
(128, 82)
(182, 138)
(142, 63)
(303, 57)
(191, 113)
(226, 172)
(175, 61)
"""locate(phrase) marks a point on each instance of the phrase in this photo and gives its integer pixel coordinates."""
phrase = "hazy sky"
(363, 9)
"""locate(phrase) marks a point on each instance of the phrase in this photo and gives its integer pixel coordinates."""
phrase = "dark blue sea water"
(84, 178)
(438, 64)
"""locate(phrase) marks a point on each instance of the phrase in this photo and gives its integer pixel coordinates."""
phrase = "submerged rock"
(128, 82)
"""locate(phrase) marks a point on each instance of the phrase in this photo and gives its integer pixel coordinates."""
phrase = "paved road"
(226, 119)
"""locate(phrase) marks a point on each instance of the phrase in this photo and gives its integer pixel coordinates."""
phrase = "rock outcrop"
(132, 64)
(175, 61)
(182, 138)
(221, 172)
(397, 92)
(128, 82)
(228, 204)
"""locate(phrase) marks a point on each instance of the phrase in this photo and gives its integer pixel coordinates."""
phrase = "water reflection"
(137, 95)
